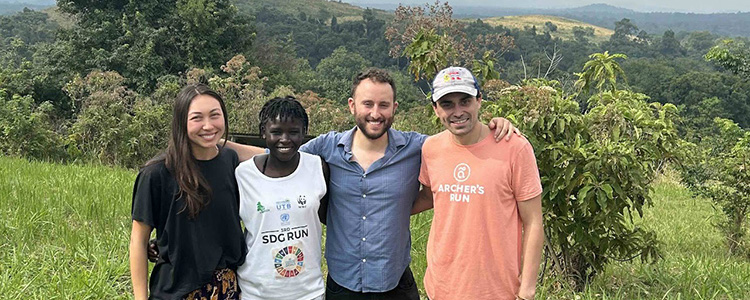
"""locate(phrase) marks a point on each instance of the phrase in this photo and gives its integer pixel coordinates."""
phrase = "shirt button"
(364, 196)
(364, 218)
(364, 175)
(364, 239)
(364, 260)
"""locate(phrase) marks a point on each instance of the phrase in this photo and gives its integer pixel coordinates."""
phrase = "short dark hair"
(377, 75)
(282, 108)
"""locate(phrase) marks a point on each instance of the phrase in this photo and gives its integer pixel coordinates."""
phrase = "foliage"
(115, 125)
(600, 72)
(333, 75)
(436, 18)
(731, 55)
(596, 168)
(164, 37)
(428, 54)
(325, 115)
(242, 90)
(720, 171)
(27, 129)
(435, 40)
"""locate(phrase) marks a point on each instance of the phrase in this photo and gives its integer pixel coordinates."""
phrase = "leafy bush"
(115, 125)
(27, 129)
(720, 171)
(596, 169)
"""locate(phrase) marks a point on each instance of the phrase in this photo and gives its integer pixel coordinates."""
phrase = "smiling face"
(284, 137)
(205, 124)
(458, 112)
(373, 108)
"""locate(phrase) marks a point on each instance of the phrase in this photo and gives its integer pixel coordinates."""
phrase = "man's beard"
(362, 126)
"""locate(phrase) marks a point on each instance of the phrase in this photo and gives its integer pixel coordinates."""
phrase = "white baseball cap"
(452, 80)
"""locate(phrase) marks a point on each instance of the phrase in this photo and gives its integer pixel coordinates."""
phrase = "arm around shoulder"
(244, 152)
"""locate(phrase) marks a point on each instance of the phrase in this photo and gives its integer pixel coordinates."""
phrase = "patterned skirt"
(223, 286)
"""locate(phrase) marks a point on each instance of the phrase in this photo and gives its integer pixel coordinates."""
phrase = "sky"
(694, 6)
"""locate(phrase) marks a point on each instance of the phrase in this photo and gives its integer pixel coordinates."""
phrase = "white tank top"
(283, 231)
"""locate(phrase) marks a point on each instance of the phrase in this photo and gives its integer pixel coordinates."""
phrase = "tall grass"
(64, 233)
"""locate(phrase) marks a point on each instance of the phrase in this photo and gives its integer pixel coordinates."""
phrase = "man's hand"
(503, 129)
(153, 251)
(526, 295)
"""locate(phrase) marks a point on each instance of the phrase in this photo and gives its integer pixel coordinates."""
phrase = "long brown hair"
(179, 159)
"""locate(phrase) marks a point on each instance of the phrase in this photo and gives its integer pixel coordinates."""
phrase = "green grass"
(64, 233)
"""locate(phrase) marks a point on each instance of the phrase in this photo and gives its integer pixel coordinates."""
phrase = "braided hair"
(282, 108)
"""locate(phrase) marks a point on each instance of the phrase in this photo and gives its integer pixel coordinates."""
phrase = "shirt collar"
(396, 139)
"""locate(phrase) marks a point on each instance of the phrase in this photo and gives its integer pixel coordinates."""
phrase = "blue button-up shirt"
(368, 239)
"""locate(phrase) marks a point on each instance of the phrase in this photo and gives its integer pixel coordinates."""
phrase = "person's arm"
(245, 152)
(323, 209)
(424, 200)
(138, 263)
(530, 212)
(503, 128)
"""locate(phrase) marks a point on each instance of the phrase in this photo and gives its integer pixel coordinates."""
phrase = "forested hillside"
(726, 24)
(148, 50)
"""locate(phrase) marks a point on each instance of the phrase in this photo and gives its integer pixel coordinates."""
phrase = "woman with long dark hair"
(189, 195)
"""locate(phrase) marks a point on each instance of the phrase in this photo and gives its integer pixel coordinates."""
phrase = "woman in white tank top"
(281, 195)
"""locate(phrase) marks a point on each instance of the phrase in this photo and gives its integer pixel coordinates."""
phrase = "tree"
(27, 129)
(731, 55)
(435, 41)
(624, 32)
(669, 45)
(550, 27)
(334, 24)
(164, 37)
(582, 34)
(601, 72)
(720, 171)
(333, 75)
(415, 34)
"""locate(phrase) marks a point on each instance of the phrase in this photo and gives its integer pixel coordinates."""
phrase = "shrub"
(595, 167)
(27, 129)
(720, 171)
(115, 125)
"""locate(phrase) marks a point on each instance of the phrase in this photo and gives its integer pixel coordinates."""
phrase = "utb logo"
(462, 172)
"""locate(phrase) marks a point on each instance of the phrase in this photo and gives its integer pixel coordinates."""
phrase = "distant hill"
(313, 8)
(604, 15)
(564, 25)
(725, 24)
(14, 7)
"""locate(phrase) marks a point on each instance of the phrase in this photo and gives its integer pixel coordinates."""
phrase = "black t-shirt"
(190, 249)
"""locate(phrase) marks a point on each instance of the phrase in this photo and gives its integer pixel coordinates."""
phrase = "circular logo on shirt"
(289, 261)
(461, 172)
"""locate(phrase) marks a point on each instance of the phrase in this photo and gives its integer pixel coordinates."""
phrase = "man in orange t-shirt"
(486, 236)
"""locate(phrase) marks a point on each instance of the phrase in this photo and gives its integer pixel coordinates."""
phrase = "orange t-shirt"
(474, 248)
